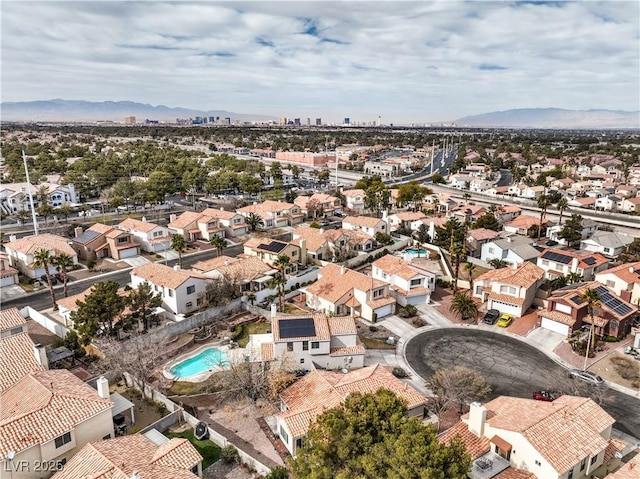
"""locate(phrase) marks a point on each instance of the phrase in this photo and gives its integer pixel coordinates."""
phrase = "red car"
(543, 396)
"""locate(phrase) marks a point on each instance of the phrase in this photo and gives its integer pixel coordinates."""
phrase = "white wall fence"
(45, 321)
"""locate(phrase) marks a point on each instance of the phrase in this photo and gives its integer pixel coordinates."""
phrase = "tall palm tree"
(179, 245)
(254, 221)
(42, 259)
(562, 205)
(63, 263)
(219, 243)
(470, 267)
(544, 202)
(593, 300)
(574, 277)
(457, 254)
(498, 263)
(282, 262)
(464, 306)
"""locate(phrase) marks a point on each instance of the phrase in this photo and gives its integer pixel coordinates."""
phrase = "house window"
(290, 346)
(593, 460)
(377, 293)
(284, 435)
(108, 436)
(298, 443)
(17, 330)
(123, 239)
(479, 289)
(170, 293)
(301, 360)
(538, 463)
(191, 289)
(570, 475)
(189, 305)
(199, 302)
(610, 283)
(293, 253)
(583, 464)
(305, 345)
(315, 345)
(545, 262)
(491, 250)
(416, 282)
(507, 290)
(65, 439)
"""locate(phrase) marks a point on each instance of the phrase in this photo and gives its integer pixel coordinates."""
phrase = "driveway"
(511, 367)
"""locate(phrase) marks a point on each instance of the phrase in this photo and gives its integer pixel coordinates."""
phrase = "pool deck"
(232, 356)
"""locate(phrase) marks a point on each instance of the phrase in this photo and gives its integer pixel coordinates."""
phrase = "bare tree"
(458, 385)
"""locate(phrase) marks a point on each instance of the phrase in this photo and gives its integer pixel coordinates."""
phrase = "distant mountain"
(554, 118)
(73, 110)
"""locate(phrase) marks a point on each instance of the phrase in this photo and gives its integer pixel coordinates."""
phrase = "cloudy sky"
(413, 61)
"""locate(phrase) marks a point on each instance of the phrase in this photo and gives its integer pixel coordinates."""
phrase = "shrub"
(610, 339)
(399, 372)
(229, 454)
(373, 329)
(417, 322)
(278, 472)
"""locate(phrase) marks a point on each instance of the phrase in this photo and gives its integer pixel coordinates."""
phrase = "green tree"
(464, 306)
(282, 263)
(593, 300)
(160, 183)
(98, 311)
(63, 263)
(437, 178)
(632, 253)
(498, 263)
(412, 194)
(254, 221)
(488, 221)
(45, 210)
(275, 170)
(543, 203)
(572, 230)
(458, 253)
(64, 210)
(458, 385)
(219, 243)
(43, 259)
(323, 177)
(142, 303)
(179, 245)
(451, 232)
(574, 277)
(470, 267)
(562, 205)
(370, 436)
(422, 235)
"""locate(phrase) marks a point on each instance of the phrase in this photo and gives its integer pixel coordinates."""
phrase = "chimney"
(77, 231)
(341, 270)
(176, 267)
(12, 238)
(514, 266)
(477, 418)
(385, 215)
(274, 310)
(321, 231)
(222, 208)
(226, 262)
(509, 239)
(144, 218)
(41, 355)
(172, 217)
(574, 265)
(102, 385)
(631, 270)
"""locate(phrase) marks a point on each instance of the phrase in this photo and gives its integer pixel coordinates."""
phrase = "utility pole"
(33, 210)
(433, 149)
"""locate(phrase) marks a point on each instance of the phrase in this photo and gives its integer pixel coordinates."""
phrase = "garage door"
(555, 326)
(420, 299)
(128, 253)
(384, 311)
(511, 309)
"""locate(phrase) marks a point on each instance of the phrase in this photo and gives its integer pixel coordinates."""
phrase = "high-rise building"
(318, 121)
(212, 119)
(129, 120)
(347, 121)
(308, 121)
(296, 121)
(227, 120)
(283, 120)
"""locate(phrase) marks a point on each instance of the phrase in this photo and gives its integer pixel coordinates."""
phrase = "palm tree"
(63, 263)
(457, 253)
(470, 267)
(179, 245)
(498, 263)
(574, 277)
(593, 300)
(42, 259)
(464, 306)
(282, 262)
(543, 203)
(562, 204)
(219, 243)
(254, 221)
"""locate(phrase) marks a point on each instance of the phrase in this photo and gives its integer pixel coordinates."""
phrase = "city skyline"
(404, 62)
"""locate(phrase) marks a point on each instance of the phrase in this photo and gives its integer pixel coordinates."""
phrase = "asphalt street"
(512, 368)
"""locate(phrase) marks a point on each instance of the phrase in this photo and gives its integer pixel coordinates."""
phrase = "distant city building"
(347, 121)
(227, 120)
(318, 121)
(212, 119)
(283, 120)
(308, 121)
(296, 122)
(129, 120)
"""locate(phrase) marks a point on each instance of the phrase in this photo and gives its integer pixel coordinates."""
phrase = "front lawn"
(207, 449)
(241, 335)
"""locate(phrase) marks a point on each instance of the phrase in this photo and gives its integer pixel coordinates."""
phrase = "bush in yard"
(399, 373)
(278, 472)
(229, 454)
(373, 329)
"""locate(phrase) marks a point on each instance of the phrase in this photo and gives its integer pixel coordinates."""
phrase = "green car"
(505, 320)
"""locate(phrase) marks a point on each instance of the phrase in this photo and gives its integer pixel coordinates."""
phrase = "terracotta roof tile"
(219, 214)
(506, 298)
(17, 359)
(184, 220)
(162, 275)
(347, 350)
(100, 228)
(628, 272)
(525, 275)
(363, 221)
(213, 263)
(31, 244)
(11, 318)
(342, 325)
(480, 234)
(132, 224)
(558, 317)
(476, 446)
(630, 470)
(334, 283)
(524, 221)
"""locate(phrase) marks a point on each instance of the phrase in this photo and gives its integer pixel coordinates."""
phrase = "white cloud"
(409, 61)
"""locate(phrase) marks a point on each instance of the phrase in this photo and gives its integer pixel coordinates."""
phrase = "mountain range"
(78, 110)
(554, 118)
(86, 111)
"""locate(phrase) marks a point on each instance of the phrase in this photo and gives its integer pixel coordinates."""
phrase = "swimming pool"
(206, 360)
(416, 251)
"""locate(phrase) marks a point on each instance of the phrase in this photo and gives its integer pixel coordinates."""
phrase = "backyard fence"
(45, 321)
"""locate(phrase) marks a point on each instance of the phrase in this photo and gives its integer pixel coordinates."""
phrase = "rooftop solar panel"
(86, 237)
(274, 246)
(577, 300)
(590, 260)
(612, 302)
(297, 328)
(557, 257)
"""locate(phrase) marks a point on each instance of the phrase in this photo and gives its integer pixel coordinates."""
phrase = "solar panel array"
(274, 246)
(612, 302)
(590, 260)
(557, 257)
(297, 328)
(577, 300)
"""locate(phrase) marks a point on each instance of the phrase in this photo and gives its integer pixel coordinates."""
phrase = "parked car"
(586, 376)
(43, 278)
(505, 320)
(60, 277)
(543, 396)
(491, 316)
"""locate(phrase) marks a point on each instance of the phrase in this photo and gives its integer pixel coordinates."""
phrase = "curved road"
(512, 368)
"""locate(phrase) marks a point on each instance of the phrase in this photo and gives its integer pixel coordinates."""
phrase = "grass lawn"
(251, 328)
(372, 343)
(292, 309)
(209, 451)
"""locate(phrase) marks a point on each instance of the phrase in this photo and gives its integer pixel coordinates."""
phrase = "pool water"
(415, 251)
(208, 359)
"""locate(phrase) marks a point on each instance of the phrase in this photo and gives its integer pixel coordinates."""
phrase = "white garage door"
(128, 253)
(511, 309)
(384, 311)
(419, 299)
(555, 326)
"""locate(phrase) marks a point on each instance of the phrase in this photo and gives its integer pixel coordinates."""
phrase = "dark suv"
(491, 316)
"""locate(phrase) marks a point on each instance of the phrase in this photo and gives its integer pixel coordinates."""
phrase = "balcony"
(488, 466)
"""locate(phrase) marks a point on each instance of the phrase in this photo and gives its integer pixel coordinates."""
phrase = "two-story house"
(21, 252)
(194, 226)
(121, 244)
(566, 312)
(509, 290)
(92, 243)
(523, 438)
(274, 214)
(409, 283)
(135, 456)
(354, 200)
(12, 322)
(182, 291)
(623, 280)
(460, 181)
(506, 213)
(366, 224)
(467, 212)
(523, 224)
(607, 243)
(318, 205)
(268, 250)
(558, 263)
(319, 390)
(589, 227)
(478, 185)
(14, 197)
(151, 237)
(631, 205)
(476, 238)
(512, 249)
(405, 220)
(342, 291)
(8, 274)
(608, 203)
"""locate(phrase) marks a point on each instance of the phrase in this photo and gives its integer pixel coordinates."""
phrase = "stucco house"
(607, 243)
(409, 283)
(354, 200)
(92, 243)
(274, 214)
(589, 228)
(522, 224)
(318, 205)
(559, 262)
(194, 226)
(8, 274)
(318, 391)
(513, 249)
(476, 238)
(342, 291)
(623, 280)
(231, 222)
(268, 250)
(509, 290)
(366, 224)
(151, 237)
(21, 252)
(406, 220)
(631, 205)
(527, 439)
